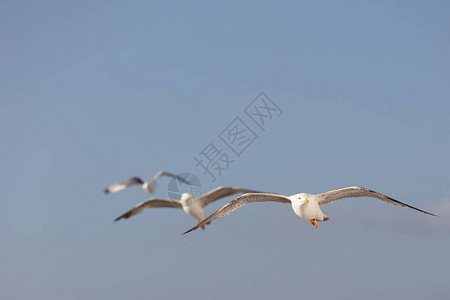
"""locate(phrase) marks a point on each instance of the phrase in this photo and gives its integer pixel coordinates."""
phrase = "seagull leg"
(313, 223)
(202, 227)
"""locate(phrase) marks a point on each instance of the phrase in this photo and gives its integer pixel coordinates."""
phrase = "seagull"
(149, 186)
(306, 206)
(193, 207)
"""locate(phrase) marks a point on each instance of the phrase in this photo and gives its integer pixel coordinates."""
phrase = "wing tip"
(187, 181)
(124, 216)
(428, 213)
(192, 229)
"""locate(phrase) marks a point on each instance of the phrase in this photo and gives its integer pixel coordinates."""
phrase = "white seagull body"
(191, 206)
(306, 206)
(148, 186)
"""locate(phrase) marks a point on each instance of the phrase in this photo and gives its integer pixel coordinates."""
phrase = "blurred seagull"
(149, 186)
(193, 207)
(306, 206)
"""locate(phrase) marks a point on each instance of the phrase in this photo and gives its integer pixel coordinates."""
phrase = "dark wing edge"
(241, 201)
(150, 203)
(122, 185)
(168, 174)
(356, 191)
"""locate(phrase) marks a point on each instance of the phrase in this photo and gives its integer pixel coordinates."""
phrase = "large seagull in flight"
(306, 206)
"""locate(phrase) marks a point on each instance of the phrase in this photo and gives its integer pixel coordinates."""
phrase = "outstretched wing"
(168, 174)
(356, 191)
(124, 184)
(220, 192)
(150, 203)
(240, 201)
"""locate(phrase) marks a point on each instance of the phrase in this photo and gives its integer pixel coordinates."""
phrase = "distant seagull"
(306, 206)
(193, 207)
(149, 186)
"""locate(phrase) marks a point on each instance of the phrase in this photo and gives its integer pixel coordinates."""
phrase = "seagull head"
(301, 198)
(186, 199)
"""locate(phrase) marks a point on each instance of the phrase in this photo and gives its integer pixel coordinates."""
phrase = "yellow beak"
(305, 201)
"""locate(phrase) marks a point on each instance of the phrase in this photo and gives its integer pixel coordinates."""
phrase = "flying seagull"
(306, 206)
(148, 186)
(193, 207)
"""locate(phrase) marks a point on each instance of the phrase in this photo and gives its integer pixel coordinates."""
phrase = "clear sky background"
(92, 92)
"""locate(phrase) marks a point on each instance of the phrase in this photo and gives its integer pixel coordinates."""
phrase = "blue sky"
(95, 91)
